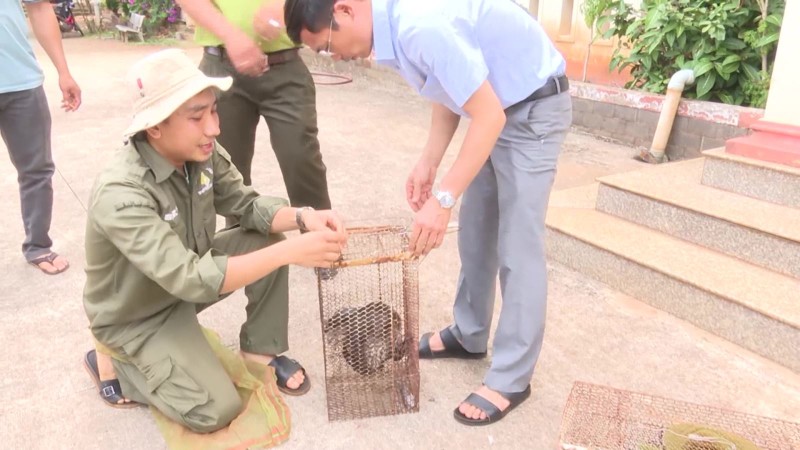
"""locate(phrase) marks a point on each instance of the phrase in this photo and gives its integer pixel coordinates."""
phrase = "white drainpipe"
(657, 152)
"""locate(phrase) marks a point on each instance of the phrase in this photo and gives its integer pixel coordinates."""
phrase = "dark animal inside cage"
(368, 336)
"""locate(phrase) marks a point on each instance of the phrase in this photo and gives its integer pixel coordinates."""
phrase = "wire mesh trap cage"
(603, 418)
(369, 309)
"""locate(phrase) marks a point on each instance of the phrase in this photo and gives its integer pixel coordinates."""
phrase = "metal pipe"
(657, 152)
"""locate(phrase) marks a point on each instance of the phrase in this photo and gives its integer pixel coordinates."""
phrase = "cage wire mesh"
(369, 309)
(603, 418)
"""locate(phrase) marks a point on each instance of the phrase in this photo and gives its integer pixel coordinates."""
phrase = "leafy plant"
(730, 45)
(158, 13)
(592, 11)
(114, 6)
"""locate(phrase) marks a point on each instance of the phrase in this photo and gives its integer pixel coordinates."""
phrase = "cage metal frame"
(599, 417)
(375, 249)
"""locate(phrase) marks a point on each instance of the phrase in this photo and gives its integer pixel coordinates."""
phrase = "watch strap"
(299, 218)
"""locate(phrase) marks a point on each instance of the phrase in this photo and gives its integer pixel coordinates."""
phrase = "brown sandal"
(48, 258)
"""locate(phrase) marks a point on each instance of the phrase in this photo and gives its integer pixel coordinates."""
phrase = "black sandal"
(285, 368)
(452, 348)
(48, 258)
(110, 390)
(493, 414)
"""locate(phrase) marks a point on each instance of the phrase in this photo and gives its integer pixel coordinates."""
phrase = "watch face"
(446, 199)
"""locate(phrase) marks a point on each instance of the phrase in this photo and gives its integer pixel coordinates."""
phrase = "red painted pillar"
(776, 137)
(770, 141)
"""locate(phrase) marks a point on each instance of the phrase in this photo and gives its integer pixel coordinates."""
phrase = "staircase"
(714, 241)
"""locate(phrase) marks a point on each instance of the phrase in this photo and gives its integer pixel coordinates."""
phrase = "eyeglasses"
(327, 51)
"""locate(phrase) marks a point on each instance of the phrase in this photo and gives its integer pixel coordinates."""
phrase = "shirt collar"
(161, 168)
(382, 31)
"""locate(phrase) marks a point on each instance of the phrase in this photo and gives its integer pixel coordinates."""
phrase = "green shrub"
(158, 13)
(730, 44)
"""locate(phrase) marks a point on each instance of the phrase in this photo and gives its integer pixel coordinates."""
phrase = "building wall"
(631, 118)
(564, 23)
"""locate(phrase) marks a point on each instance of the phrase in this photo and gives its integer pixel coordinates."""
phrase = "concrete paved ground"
(370, 133)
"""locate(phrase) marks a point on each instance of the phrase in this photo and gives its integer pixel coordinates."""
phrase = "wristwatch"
(446, 199)
(299, 218)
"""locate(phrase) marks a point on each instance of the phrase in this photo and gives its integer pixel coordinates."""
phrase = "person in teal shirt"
(25, 120)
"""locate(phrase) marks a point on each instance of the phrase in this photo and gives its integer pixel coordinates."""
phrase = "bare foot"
(51, 263)
(436, 342)
(106, 370)
(476, 413)
(292, 383)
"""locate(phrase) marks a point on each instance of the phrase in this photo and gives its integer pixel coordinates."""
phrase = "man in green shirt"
(270, 80)
(154, 259)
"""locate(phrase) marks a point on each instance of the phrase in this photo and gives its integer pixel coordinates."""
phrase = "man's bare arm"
(444, 124)
(487, 121)
(47, 32)
(45, 28)
(419, 184)
(312, 249)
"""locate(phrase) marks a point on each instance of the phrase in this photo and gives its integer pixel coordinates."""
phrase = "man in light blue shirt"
(25, 119)
(491, 62)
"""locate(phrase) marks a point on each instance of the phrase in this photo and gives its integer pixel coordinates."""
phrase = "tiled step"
(770, 182)
(671, 199)
(753, 307)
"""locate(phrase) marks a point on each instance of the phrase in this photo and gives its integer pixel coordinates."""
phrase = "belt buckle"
(557, 80)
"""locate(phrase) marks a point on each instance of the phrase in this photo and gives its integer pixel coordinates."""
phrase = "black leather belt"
(273, 58)
(553, 86)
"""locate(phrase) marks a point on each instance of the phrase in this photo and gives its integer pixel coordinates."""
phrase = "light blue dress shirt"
(19, 70)
(447, 48)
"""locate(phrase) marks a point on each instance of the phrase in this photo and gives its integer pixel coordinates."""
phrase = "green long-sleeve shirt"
(241, 13)
(149, 237)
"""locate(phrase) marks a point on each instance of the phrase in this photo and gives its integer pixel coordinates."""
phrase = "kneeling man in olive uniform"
(154, 258)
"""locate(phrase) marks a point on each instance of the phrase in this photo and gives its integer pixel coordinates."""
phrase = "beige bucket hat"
(161, 82)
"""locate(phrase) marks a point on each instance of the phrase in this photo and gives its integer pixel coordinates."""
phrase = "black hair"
(311, 15)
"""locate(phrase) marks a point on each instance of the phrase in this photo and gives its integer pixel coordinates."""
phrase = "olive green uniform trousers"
(286, 97)
(176, 370)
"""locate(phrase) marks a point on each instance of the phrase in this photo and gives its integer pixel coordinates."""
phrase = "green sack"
(687, 436)
(264, 422)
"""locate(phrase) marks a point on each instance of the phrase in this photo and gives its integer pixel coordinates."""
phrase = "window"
(565, 28)
(534, 8)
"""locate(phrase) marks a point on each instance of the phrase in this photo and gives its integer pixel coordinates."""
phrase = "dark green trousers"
(175, 369)
(286, 97)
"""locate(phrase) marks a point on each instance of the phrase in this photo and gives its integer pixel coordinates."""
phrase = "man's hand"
(430, 225)
(323, 220)
(245, 55)
(70, 93)
(268, 22)
(419, 185)
(316, 248)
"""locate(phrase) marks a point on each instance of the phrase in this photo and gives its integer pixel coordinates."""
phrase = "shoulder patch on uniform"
(129, 204)
(172, 215)
(206, 181)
